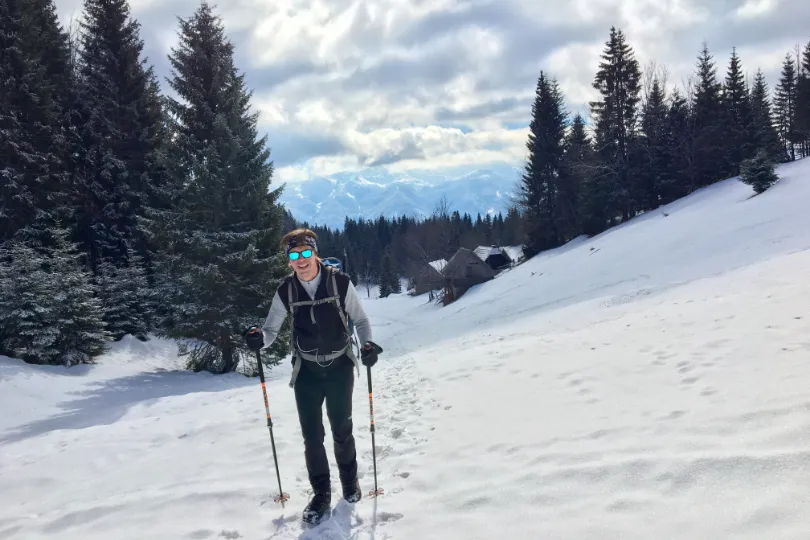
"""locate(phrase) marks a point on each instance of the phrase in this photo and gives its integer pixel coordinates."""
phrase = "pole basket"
(284, 497)
(376, 493)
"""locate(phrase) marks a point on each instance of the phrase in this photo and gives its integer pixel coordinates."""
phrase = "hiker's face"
(304, 262)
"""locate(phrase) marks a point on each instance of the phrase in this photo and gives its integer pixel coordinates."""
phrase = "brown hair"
(300, 236)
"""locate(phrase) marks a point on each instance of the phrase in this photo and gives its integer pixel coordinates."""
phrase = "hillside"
(650, 382)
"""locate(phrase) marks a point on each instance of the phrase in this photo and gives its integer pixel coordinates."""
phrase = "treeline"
(643, 147)
(647, 146)
(123, 211)
(384, 251)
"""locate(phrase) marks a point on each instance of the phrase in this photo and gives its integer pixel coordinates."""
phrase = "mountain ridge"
(368, 194)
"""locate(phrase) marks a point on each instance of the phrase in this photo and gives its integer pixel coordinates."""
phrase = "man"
(323, 361)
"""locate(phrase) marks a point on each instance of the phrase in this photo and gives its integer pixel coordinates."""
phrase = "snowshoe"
(319, 506)
(352, 492)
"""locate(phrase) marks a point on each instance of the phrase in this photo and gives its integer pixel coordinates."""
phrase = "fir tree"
(737, 104)
(34, 79)
(785, 107)
(221, 260)
(758, 172)
(540, 186)
(615, 118)
(710, 151)
(120, 130)
(763, 132)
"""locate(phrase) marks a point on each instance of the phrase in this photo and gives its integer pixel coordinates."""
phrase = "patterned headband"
(308, 240)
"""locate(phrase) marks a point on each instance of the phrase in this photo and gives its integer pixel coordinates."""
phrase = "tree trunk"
(228, 363)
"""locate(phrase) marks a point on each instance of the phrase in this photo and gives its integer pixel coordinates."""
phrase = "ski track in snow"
(647, 383)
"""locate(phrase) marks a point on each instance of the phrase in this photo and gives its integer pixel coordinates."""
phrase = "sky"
(343, 85)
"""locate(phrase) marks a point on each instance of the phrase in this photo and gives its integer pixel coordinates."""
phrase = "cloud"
(346, 84)
(294, 147)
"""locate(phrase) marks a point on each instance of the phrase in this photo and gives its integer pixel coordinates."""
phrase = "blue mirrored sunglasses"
(294, 255)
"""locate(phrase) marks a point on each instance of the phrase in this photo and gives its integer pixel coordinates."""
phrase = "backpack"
(330, 263)
(333, 297)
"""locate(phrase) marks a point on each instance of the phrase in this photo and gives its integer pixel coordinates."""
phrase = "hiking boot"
(351, 491)
(318, 507)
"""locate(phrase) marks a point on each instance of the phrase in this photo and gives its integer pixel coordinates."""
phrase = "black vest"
(317, 329)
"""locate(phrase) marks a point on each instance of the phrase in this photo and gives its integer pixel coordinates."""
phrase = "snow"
(650, 382)
(515, 252)
(438, 264)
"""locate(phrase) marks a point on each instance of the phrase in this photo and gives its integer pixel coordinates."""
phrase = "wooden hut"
(429, 277)
(464, 270)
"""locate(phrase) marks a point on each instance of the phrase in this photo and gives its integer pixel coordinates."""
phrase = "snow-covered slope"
(651, 382)
(370, 194)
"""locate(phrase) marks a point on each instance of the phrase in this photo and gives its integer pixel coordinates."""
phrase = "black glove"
(254, 337)
(369, 353)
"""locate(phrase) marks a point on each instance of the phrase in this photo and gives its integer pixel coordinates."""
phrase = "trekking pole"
(281, 497)
(377, 491)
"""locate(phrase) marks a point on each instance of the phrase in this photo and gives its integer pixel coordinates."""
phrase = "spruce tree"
(653, 147)
(126, 298)
(758, 172)
(119, 134)
(785, 107)
(83, 332)
(396, 281)
(539, 190)
(737, 104)
(709, 121)
(615, 117)
(221, 260)
(803, 102)
(387, 276)
(35, 77)
(512, 225)
(763, 132)
(49, 312)
(577, 168)
(28, 321)
(677, 166)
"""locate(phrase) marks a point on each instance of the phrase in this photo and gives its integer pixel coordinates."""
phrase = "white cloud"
(341, 84)
(756, 8)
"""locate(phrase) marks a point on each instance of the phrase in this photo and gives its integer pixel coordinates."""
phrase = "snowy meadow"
(649, 382)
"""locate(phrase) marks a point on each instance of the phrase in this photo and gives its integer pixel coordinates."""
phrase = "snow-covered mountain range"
(368, 194)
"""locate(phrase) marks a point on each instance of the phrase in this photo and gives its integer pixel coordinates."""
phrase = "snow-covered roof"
(438, 265)
(515, 252)
(484, 252)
